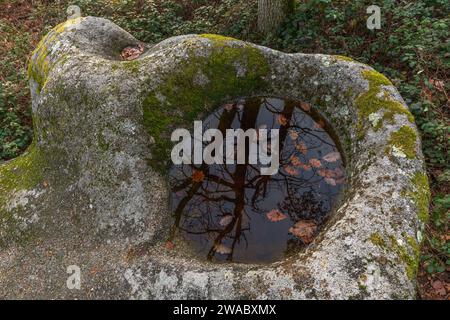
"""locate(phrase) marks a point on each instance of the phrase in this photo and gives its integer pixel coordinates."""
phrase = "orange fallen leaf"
(275, 215)
(301, 146)
(295, 161)
(315, 163)
(198, 176)
(304, 230)
(282, 120)
(132, 52)
(290, 170)
(306, 167)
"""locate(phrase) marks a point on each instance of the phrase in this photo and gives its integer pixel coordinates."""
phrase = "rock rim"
(92, 189)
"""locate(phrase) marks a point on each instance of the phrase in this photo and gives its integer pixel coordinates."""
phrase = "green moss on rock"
(420, 195)
(377, 240)
(231, 70)
(375, 100)
(410, 259)
(40, 64)
(404, 140)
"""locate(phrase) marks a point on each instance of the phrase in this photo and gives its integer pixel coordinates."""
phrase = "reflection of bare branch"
(230, 189)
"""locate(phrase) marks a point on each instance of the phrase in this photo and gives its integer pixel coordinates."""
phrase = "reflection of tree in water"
(220, 207)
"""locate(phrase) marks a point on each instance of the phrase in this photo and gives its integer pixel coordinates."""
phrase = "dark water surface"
(233, 213)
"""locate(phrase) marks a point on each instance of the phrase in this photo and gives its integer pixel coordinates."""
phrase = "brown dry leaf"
(198, 176)
(282, 120)
(438, 84)
(169, 245)
(222, 249)
(226, 220)
(315, 163)
(132, 52)
(306, 167)
(293, 134)
(290, 170)
(275, 215)
(296, 161)
(305, 106)
(304, 230)
(301, 146)
(332, 157)
(326, 173)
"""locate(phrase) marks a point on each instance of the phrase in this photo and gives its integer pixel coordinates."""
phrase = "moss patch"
(40, 64)
(404, 140)
(23, 173)
(411, 260)
(377, 240)
(375, 100)
(420, 195)
(231, 70)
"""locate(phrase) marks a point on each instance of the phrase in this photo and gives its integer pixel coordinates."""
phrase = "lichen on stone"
(376, 99)
(186, 100)
(420, 195)
(403, 140)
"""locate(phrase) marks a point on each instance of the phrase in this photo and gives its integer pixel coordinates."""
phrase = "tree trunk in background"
(271, 13)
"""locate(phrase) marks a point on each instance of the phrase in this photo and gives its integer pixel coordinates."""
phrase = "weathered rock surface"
(91, 190)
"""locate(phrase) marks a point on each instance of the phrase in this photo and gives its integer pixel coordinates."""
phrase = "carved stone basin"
(92, 189)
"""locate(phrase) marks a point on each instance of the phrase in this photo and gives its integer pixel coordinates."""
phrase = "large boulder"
(92, 189)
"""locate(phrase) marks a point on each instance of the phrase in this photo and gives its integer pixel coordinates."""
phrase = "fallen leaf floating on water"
(226, 220)
(326, 173)
(282, 120)
(306, 167)
(332, 157)
(304, 230)
(132, 52)
(330, 181)
(275, 215)
(293, 134)
(290, 170)
(305, 106)
(198, 176)
(296, 161)
(301, 146)
(222, 249)
(315, 163)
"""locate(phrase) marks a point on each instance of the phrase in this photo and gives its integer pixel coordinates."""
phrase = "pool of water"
(231, 212)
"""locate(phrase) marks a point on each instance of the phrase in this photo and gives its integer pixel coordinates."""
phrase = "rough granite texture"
(92, 188)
